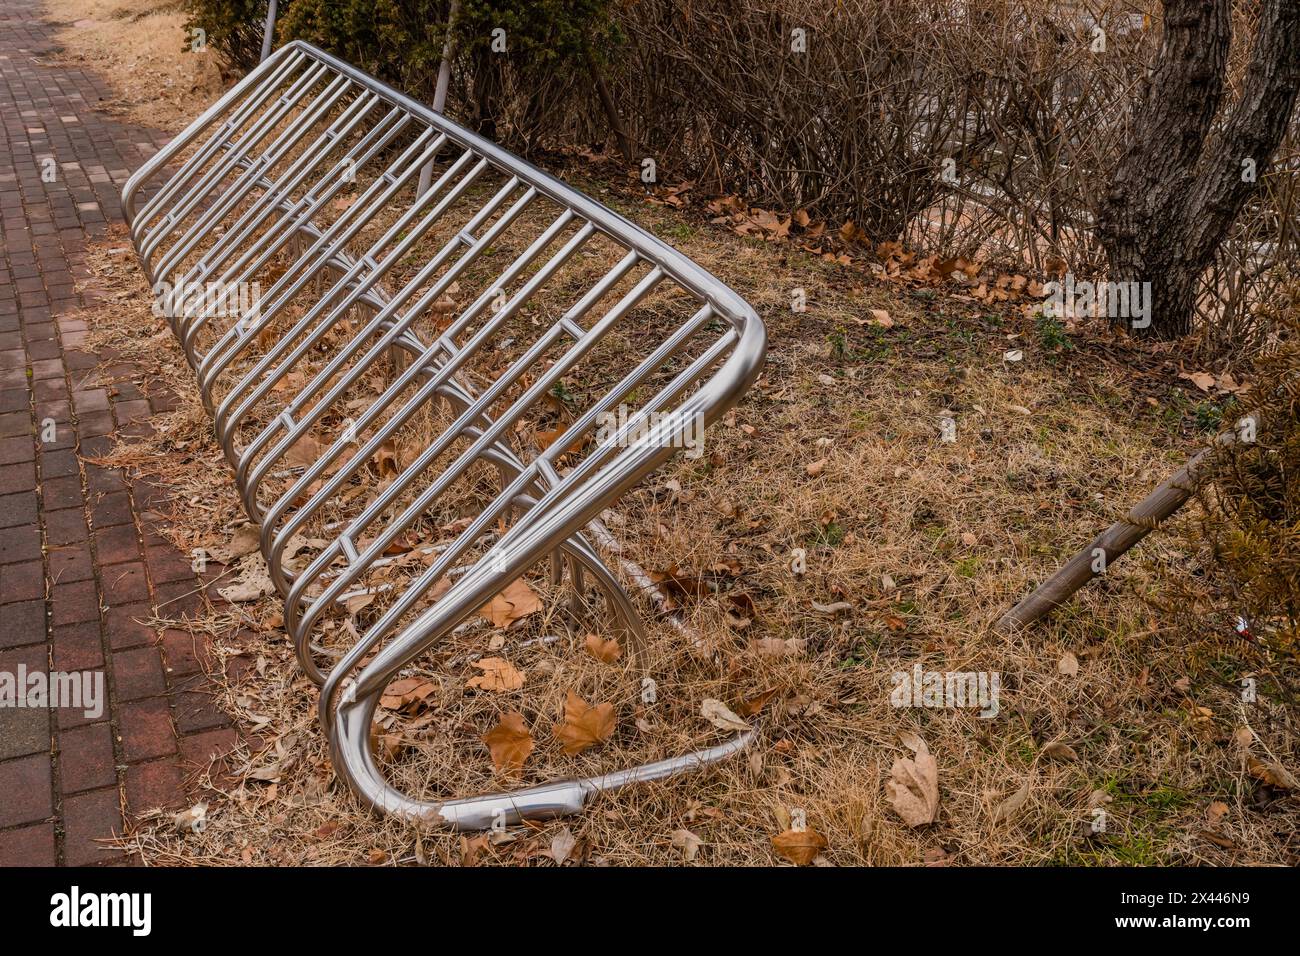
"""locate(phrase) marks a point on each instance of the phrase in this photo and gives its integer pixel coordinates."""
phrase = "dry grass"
(926, 541)
(139, 47)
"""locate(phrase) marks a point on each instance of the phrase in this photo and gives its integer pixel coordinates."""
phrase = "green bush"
(532, 87)
(233, 28)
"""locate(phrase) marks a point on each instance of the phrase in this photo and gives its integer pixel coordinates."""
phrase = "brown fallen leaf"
(605, 650)
(498, 675)
(799, 846)
(388, 746)
(385, 459)
(1222, 842)
(835, 607)
(472, 849)
(244, 541)
(1057, 750)
(516, 602)
(303, 453)
(778, 646)
(407, 693)
(1273, 774)
(1216, 811)
(913, 787)
(1068, 665)
(1011, 805)
(254, 581)
(718, 714)
(509, 743)
(753, 705)
(193, 820)
(584, 726)
(688, 843)
(359, 602)
(562, 845)
(815, 468)
(1202, 380)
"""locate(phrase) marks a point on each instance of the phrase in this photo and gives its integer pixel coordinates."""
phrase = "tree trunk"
(607, 102)
(1179, 185)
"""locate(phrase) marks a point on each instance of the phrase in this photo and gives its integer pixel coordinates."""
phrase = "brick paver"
(81, 566)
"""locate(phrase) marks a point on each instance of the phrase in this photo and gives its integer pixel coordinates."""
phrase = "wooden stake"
(1147, 515)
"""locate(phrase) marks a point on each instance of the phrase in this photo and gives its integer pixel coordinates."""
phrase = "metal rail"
(404, 345)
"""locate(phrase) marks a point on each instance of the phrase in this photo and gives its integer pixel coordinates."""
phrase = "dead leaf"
(584, 726)
(1068, 665)
(1222, 842)
(193, 820)
(1057, 750)
(778, 646)
(359, 601)
(1273, 774)
(799, 846)
(562, 845)
(835, 607)
(688, 843)
(244, 541)
(509, 743)
(304, 453)
(1202, 380)
(516, 602)
(913, 787)
(1011, 805)
(753, 705)
(815, 468)
(498, 675)
(254, 581)
(911, 740)
(718, 714)
(1216, 811)
(385, 459)
(407, 693)
(605, 650)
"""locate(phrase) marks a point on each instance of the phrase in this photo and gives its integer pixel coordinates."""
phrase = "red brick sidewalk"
(80, 567)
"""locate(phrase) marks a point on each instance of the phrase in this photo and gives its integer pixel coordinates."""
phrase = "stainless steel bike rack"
(301, 181)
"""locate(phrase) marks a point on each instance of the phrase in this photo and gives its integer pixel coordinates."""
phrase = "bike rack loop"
(302, 177)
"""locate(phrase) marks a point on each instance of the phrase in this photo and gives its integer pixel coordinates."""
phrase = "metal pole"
(440, 91)
(269, 32)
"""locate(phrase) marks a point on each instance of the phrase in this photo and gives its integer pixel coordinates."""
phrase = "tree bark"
(607, 102)
(1179, 185)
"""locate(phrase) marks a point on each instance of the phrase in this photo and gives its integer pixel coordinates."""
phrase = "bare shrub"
(984, 128)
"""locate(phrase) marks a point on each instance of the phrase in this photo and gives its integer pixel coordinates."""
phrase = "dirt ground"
(1124, 707)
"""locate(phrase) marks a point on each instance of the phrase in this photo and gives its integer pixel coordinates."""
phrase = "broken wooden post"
(1147, 515)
